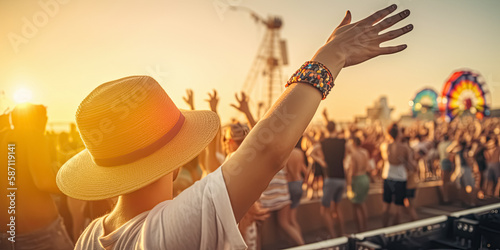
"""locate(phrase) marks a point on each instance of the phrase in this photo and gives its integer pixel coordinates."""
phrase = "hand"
(351, 44)
(259, 213)
(213, 100)
(350, 193)
(243, 103)
(189, 100)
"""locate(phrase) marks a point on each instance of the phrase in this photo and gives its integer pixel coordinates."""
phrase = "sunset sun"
(22, 95)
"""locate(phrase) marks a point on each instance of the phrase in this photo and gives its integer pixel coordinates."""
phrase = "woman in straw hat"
(136, 138)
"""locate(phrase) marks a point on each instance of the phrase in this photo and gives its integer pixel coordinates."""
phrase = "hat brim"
(82, 179)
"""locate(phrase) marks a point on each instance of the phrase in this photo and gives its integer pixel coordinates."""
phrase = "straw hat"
(133, 134)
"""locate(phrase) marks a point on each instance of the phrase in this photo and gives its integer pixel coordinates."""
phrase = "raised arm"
(244, 108)
(189, 99)
(262, 153)
(210, 161)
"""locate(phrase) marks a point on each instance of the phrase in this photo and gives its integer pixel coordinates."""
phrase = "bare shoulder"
(296, 155)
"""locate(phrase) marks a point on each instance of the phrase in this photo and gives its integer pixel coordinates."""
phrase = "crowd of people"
(327, 164)
(174, 178)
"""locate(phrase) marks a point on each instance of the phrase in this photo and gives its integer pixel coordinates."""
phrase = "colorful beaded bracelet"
(315, 74)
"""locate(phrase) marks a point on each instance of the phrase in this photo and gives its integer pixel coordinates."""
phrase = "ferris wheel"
(425, 101)
(465, 93)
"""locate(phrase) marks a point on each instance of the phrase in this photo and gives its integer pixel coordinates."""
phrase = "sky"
(61, 50)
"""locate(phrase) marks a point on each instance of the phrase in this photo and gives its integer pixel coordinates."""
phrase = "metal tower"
(264, 81)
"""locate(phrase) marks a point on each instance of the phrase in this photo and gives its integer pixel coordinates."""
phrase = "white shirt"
(201, 217)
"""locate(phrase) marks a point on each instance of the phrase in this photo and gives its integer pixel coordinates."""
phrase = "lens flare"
(22, 95)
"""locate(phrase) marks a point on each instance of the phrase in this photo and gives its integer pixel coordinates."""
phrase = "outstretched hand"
(242, 103)
(189, 99)
(213, 101)
(354, 43)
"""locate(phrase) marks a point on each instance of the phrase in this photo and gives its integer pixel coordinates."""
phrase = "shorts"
(446, 165)
(466, 178)
(410, 193)
(360, 187)
(333, 190)
(396, 189)
(493, 172)
(51, 237)
(295, 189)
(318, 170)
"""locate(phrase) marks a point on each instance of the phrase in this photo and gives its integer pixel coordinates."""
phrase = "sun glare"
(22, 95)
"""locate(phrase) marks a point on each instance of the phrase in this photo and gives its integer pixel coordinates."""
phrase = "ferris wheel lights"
(445, 100)
(418, 106)
(410, 103)
(473, 110)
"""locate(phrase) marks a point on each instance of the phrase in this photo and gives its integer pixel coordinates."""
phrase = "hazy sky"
(77, 45)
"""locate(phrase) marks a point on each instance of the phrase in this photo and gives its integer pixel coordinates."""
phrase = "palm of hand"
(360, 41)
(242, 103)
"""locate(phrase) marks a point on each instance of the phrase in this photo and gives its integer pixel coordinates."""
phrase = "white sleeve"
(201, 217)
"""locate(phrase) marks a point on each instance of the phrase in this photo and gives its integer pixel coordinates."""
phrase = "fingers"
(379, 15)
(214, 95)
(388, 22)
(346, 20)
(234, 106)
(395, 33)
(392, 49)
(236, 96)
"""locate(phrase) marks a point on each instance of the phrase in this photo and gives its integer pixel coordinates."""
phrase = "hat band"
(143, 152)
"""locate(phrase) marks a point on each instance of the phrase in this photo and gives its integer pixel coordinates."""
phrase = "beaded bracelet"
(316, 74)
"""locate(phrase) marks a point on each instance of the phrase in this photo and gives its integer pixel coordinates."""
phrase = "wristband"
(315, 74)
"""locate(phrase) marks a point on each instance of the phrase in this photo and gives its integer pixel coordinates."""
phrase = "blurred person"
(38, 224)
(74, 140)
(492, 155)
(209, 159)
(358, 182)
(214, 155)
(399, 162)
(193, 166)
(421, 148)
(315, 182)
(276, 198)
(330, 154)
(432, 160)
(446, 168)
(206, 214)
(233, 136)
(463, 155)
(296, 168)
(368, 143)
(411, 185)
(479, 148)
